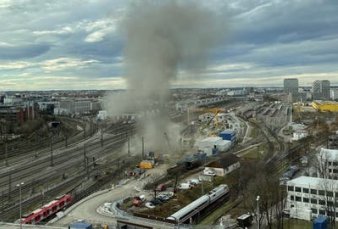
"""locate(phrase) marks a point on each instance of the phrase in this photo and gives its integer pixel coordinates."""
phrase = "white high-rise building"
(334, 93)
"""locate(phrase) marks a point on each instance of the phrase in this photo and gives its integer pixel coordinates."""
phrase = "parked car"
(142, 197)
(194, 181)
(156, 201)
(150, 205)
(209, 172)
(184, 186)
(137, 201)
(161, 187)
(163, 197)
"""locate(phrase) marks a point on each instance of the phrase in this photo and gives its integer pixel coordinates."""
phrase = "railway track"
(68, 186)
(62, 161)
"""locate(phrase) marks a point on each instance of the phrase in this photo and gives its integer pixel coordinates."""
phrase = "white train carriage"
(190, 210)
(198, 205)
(218, 192)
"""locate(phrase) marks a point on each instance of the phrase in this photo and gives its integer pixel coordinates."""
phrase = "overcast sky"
(78, 44)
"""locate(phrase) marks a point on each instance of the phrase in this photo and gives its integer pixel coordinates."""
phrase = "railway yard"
(93, 164)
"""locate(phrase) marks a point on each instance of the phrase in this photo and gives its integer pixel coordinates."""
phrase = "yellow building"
(323, 106)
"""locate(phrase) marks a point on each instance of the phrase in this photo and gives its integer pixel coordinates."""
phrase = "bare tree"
(272, 198)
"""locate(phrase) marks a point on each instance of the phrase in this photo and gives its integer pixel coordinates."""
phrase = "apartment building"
(327, 163)
(308, 197)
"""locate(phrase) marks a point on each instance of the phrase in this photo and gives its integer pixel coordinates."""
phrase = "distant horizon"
(124, 89)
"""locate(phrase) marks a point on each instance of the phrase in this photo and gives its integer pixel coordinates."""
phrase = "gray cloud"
(21, 52)
(297, 37)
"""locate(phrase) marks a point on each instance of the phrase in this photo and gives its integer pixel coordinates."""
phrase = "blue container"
(229, 135)
(80, 225)
(320, 222)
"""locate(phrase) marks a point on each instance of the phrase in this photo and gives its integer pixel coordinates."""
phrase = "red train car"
(47, 210)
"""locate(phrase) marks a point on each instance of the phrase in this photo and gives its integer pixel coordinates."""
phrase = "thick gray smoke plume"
(161, 38)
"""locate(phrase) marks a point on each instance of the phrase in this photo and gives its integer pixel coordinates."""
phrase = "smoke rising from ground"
(162, 37)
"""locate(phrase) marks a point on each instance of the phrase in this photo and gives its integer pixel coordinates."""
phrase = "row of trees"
(257, 179)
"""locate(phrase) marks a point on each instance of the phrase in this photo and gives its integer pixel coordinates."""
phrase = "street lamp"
(20, 207)
(257, 200)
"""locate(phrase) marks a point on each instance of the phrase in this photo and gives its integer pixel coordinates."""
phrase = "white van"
(184, 186)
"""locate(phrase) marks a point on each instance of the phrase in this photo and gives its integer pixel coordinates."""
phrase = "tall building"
(321, 89)
(334, 93)
(291, 87)
(326, 89)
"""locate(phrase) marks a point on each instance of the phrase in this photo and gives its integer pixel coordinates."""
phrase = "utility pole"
(20, 204)
(51, 152)
(87, 167)
(84, 154)
(6, 147)
(9, 186)
(101, 131)
(142, 147)
(6, 152)
(258, 221)
(128, 146)
(66, 140)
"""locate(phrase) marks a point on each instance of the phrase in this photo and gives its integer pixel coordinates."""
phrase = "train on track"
(194, 208)
(47, 210)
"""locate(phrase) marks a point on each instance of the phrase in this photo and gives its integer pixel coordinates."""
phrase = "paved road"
(87, 209)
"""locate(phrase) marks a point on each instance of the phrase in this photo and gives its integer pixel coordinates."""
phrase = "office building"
(308, 197)
(334, 93)
(291, 87)
(321, 90)
(327, 160)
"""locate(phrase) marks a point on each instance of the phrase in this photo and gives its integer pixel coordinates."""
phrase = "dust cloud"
(161, 38)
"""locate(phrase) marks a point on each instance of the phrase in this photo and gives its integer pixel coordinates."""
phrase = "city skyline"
(53, 45)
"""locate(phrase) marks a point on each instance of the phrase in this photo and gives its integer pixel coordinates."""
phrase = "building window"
(305, 190)
(314, 191)
(330, 213)
(314, 210)
(322, 202)
(322, 212)
(298, 199)
(335, 170)
(328, 193)
(292, 198)
(313, 201)
(298, 189)
(335, 163)
(330, 170)
(321, 192)
(290, 188)
(305, 200)
(330, 203)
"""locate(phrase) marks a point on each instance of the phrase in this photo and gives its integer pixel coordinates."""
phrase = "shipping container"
(229, 135)
(80, 225)
(320, 222)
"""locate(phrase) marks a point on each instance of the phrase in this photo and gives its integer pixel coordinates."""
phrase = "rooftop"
(328, 154)
(320, 102)
(313, 182)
